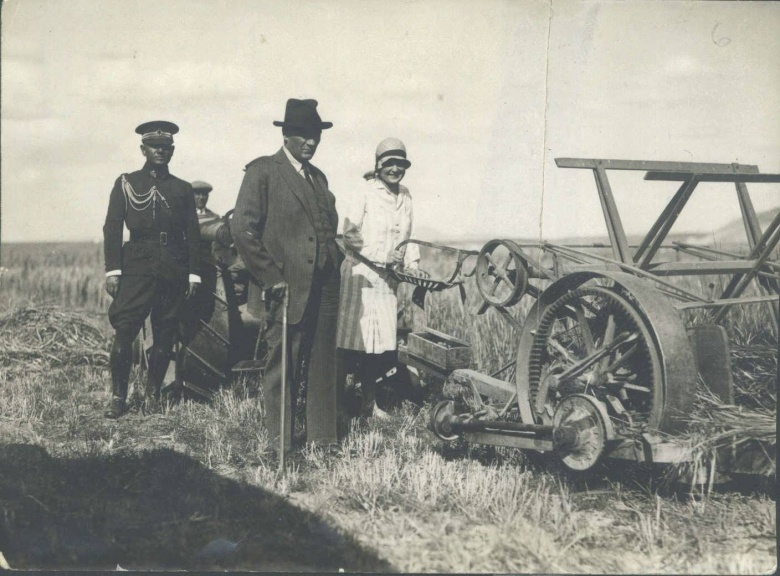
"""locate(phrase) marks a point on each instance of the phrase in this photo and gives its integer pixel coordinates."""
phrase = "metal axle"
(455, 425)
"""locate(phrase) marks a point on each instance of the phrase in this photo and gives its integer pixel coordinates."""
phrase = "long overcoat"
(273, 229)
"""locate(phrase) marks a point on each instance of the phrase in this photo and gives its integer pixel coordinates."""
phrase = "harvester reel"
(581, 429)
(501, 273)
(593, 341)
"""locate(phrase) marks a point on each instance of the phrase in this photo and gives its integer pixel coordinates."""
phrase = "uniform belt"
(162, 238)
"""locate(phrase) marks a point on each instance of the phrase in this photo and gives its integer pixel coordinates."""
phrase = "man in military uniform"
(158, 268)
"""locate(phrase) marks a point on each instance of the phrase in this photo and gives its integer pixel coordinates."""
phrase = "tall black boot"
(159, 359)
(158, 367)
(121, 361)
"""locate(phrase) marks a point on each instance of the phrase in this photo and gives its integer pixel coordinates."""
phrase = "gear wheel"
(594, 341)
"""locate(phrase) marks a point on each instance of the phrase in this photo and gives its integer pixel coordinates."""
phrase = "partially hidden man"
(215, 243)
(157, 268)
(284, 227)
(215, 239)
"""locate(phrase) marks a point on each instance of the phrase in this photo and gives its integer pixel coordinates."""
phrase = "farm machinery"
(606, 366)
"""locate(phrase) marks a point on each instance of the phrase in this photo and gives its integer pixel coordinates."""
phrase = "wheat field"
(196, 487)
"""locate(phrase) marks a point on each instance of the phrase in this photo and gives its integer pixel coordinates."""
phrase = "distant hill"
(732, 234)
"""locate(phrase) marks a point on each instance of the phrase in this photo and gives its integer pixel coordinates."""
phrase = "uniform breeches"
(141, 295)
(311, 345)
(138, 297)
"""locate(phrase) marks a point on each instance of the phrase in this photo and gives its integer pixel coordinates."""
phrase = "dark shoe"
(171, 393)
(373, 411)
(152, 391)
(116, 408)
(332, 450)
(151, 405)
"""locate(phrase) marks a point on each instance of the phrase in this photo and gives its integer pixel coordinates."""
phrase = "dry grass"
(734, 423)
(36, 337)
(420, 505)
(68, 275)
(754, 367)
(719, 431)
(423, 507)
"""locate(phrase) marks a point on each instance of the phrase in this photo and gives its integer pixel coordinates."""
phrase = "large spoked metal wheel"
(597, 340)
(501, 273)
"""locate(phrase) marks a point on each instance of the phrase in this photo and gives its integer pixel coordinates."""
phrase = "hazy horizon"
(731, 233)
(484, 94)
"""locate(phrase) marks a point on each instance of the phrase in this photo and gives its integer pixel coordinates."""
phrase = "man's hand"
(192, 289)
(276, 292)
(112, 285)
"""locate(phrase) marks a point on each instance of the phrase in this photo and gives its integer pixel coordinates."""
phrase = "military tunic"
(164, 246)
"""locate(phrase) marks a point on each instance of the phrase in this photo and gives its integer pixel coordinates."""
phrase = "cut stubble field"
(196, 486)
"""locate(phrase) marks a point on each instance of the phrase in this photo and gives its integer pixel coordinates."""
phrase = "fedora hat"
(302, 114)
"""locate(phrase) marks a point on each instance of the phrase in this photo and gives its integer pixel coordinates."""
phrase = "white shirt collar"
(297, 165)
(381, 186)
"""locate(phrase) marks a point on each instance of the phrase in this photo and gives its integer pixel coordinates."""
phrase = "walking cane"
(285, 301)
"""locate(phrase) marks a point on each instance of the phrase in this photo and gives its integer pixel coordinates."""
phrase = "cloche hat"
(391, 148)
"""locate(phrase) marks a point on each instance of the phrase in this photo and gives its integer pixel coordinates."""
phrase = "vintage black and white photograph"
(421, 286)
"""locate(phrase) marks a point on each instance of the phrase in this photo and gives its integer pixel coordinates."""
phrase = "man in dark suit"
(284, 227)
(158, 268)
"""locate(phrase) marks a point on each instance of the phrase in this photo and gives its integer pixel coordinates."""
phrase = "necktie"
(307, 176)
(326, 245)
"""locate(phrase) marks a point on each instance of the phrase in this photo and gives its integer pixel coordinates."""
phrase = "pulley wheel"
(501, 273)
(579, 432)
(440, 417)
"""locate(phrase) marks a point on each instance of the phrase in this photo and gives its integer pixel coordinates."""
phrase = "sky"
(484, 94)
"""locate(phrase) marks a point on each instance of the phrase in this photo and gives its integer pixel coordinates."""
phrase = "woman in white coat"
(376, 221)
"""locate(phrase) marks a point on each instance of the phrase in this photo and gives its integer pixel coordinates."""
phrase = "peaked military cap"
(157, 132)
(201, 186)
